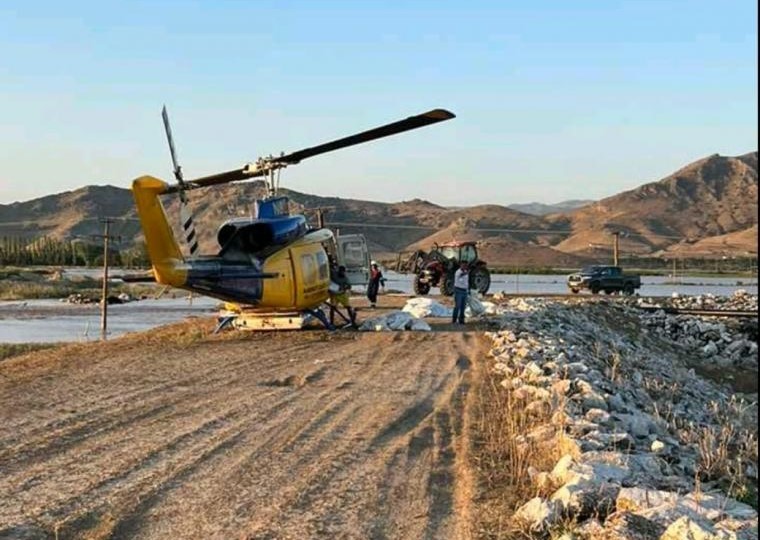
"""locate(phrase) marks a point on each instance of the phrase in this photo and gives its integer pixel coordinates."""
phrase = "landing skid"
(253, 319)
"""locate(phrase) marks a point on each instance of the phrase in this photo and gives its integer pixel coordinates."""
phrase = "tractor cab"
(460, 251)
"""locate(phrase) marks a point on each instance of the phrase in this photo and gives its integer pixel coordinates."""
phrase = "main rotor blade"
(413, 122)
(248, 172)
(244, 173)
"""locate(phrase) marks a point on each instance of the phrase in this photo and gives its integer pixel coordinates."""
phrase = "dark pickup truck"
(609, 279)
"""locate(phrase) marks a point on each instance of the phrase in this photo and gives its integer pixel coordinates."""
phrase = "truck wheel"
(447, 285)
(480, 280)
(420, 288)
(575, 291)
(594, 288)
(628, 289)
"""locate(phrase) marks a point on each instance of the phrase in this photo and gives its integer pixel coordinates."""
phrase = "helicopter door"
(354, 255)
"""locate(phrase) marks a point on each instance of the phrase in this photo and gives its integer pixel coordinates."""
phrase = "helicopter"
(273, 264)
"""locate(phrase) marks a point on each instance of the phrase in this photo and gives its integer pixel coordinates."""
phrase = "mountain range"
(706, 209)
(542, 209)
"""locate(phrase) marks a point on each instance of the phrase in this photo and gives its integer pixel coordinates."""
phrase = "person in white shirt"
(461, 291)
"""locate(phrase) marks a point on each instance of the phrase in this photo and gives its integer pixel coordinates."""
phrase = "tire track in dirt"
(372, 460)
(66, 466)
(294, 433)
(94, 413)
(160, 366)
(122, 462)
(366, 443)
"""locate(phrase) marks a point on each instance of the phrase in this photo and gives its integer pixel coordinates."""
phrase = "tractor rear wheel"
(480, 279)
(447, 285)
(420, 288)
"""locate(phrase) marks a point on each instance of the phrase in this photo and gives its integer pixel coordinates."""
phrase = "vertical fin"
(164, 253)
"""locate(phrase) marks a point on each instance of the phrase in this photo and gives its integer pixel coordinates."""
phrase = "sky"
(554, 100)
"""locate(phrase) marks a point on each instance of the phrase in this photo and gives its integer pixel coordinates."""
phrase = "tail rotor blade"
(170, 139)
(185, 212)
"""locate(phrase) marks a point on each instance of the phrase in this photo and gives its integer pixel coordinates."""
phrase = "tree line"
(47, 251)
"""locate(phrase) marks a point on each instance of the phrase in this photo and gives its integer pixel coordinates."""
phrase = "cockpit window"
(450, 252)
(323, 265)
(353, 254)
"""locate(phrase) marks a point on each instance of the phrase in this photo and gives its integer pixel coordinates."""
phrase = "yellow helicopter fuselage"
(294, 277)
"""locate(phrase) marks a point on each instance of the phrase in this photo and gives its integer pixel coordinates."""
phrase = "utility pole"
(320, 218)
(675, 269)
(106, 236)
(615, 248)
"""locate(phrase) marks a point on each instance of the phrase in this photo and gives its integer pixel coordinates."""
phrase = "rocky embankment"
(642, 445)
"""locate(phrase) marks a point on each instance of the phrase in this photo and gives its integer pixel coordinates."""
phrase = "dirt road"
(290, 435)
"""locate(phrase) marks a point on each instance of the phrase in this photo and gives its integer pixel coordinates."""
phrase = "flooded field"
(49, 321)
(557, 284)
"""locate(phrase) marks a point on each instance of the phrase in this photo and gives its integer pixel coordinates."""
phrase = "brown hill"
(714, 196)
(735, 243)
(706, 206)
(69, 214)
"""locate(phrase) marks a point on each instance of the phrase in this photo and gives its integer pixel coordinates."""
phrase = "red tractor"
(437, 268)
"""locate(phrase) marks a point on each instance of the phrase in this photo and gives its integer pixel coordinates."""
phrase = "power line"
(494, 230)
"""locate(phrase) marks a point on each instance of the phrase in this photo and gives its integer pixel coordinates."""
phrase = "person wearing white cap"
(375, 280)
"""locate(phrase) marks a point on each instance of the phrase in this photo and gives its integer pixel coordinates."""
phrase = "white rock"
(561, 471)
(593, 400)
(694, 528)
(636, 424)
(616, 403)
(533, 369)
(715, 505)
(711, 349)
(537, 514)
(598, 416)
(658, 446)
(584, 496)
(639, 498)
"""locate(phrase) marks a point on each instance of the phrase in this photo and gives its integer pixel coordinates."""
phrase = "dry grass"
(506, 459)
(23, 289)
(726, 448)
(7, 350)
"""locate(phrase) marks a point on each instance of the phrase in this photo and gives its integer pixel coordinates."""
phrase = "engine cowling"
(255, 235)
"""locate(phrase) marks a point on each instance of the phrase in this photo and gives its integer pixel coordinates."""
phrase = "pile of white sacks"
(637, 428)
(411, 315)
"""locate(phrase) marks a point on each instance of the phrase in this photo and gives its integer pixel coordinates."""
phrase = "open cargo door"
(354, 255)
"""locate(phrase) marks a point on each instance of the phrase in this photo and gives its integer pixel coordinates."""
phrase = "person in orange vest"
(376, 280)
